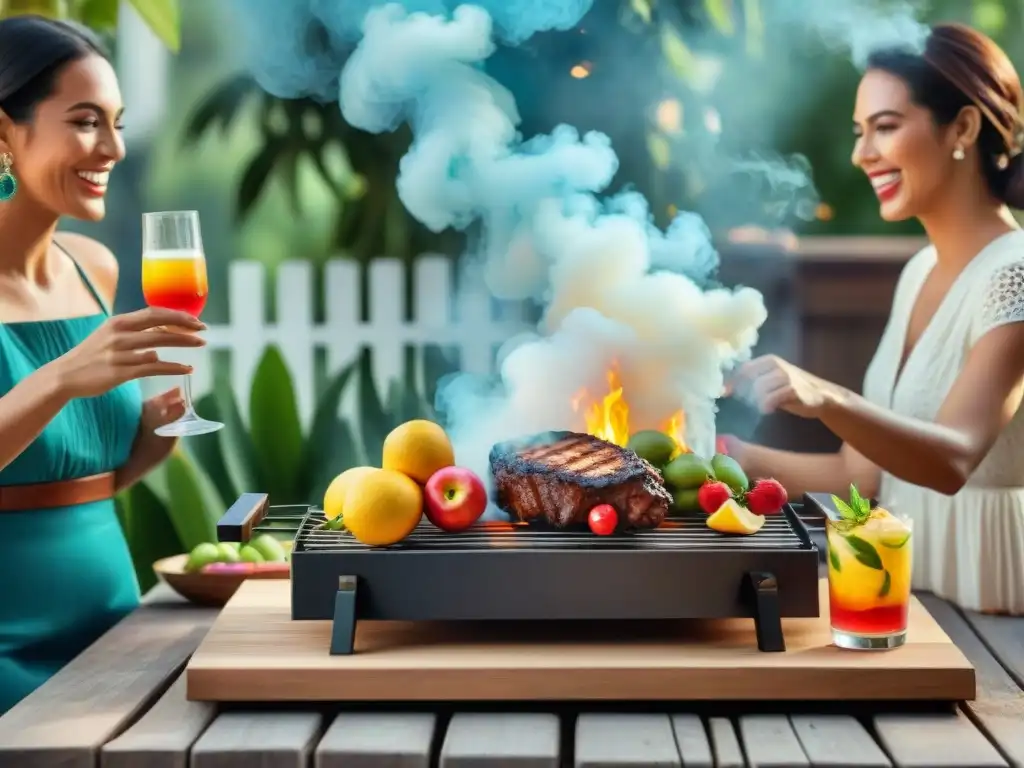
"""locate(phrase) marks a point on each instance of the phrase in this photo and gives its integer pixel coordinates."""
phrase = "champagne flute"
(174, 277)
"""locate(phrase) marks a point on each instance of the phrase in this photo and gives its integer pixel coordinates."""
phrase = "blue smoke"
(296, 48)
(857, 27)
(615, 288)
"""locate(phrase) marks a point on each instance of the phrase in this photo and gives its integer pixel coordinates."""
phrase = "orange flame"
(608, 417)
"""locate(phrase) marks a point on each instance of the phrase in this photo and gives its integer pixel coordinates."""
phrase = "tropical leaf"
(328, 437)
(148, 531)
(219, 108)
(275, 426)
(338, 449)
(207, 453)
(241, 461)
(163, 17)
(405, 404)
(52, 9)
(641, 8)
(437, 364)
(195, 506)
(374, 421)
(257, 174)
(678, 55)
(99, 14)
(721, 15)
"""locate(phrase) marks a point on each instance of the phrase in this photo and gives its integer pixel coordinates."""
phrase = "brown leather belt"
(62, 493)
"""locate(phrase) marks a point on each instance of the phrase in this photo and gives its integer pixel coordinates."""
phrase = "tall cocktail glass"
(870, 554)
(174, 276)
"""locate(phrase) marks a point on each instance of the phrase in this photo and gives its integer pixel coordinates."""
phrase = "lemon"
(382, 507)
(417, 448)
(335, 496)
(732, 518)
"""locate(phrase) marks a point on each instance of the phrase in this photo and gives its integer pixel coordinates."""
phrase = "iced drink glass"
(869, 566)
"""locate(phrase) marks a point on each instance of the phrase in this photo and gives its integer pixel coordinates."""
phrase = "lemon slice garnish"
(732, 518)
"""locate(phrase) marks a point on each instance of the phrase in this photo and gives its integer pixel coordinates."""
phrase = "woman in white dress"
(938, 433)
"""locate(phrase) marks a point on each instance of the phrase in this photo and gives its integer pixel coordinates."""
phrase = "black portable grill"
(522, 571)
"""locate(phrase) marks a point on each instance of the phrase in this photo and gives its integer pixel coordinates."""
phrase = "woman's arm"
(802, 473)
(27, 408)
(940, 455)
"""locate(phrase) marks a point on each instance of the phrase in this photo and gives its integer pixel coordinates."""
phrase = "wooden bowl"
(213, 589)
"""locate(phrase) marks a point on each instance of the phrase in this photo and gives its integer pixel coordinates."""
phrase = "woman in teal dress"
(74, 428)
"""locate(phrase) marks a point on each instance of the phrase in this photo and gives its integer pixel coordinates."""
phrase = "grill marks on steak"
(561, 476)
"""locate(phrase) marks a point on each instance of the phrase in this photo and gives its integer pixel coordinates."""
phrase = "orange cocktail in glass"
(174, 277)
(870, 555)
(175, 280)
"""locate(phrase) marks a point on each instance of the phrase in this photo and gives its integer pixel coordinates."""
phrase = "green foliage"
(163, 17)
(357, 168)
(178, 504)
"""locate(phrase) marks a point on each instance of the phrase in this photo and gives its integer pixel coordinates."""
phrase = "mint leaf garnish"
(886, 585)
(845, 510)
(857, 510)
(860, 505)
(864, 552)
(833, 558)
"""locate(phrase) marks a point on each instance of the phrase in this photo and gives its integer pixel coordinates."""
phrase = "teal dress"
(66, 575)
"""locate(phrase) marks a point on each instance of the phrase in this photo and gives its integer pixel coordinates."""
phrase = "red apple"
(454, 498)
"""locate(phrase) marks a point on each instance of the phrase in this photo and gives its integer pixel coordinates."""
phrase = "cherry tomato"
(602, 519)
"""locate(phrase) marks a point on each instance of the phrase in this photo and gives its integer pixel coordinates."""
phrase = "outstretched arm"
(802, 473)
(940, 455)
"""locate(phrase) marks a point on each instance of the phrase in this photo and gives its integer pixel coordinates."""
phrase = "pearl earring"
(958, 153)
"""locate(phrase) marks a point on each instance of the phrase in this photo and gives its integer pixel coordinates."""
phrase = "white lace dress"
(968, 548)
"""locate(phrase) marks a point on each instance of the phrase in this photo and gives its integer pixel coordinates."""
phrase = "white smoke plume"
(614, 288)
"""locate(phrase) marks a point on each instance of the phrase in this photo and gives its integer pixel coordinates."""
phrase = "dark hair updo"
(961, 67)
(33, 52)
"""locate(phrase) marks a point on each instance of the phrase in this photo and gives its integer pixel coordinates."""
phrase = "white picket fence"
(458, 314)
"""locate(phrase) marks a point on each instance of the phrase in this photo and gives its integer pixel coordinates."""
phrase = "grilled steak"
(560, 476)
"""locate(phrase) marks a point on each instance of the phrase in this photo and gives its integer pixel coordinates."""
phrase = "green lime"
(201, 556)
(685, 502)
(250, 554)
(728, 470)
(269, 547)
(652, 445)
(227, 552)
(687, 471)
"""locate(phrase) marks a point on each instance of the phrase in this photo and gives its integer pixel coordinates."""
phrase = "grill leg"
(343, 632)
(764, 593)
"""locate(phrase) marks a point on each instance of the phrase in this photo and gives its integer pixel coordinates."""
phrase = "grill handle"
(241, 517)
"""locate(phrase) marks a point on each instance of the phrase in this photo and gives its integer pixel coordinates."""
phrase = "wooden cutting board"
(256, 652)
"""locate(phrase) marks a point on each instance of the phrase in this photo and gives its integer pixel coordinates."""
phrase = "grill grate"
(559, 574)
(678, 533)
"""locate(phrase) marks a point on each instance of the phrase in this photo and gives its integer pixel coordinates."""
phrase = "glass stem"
(186, 388)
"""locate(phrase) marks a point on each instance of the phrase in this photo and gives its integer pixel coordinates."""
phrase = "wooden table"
(121, 704)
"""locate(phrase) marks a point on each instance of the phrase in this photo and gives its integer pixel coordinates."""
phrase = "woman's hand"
(156, 412)
(123, 348)
(772, 384)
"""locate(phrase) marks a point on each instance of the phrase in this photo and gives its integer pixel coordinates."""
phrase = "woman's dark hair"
(960, 67)
(33, 52)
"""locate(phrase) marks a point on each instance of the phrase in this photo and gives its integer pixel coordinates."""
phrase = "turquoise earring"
(8, 184)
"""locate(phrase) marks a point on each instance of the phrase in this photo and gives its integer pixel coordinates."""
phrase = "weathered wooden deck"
(122, 704)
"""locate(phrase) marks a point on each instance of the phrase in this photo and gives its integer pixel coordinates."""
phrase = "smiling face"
(907, 157)
(63, 155)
